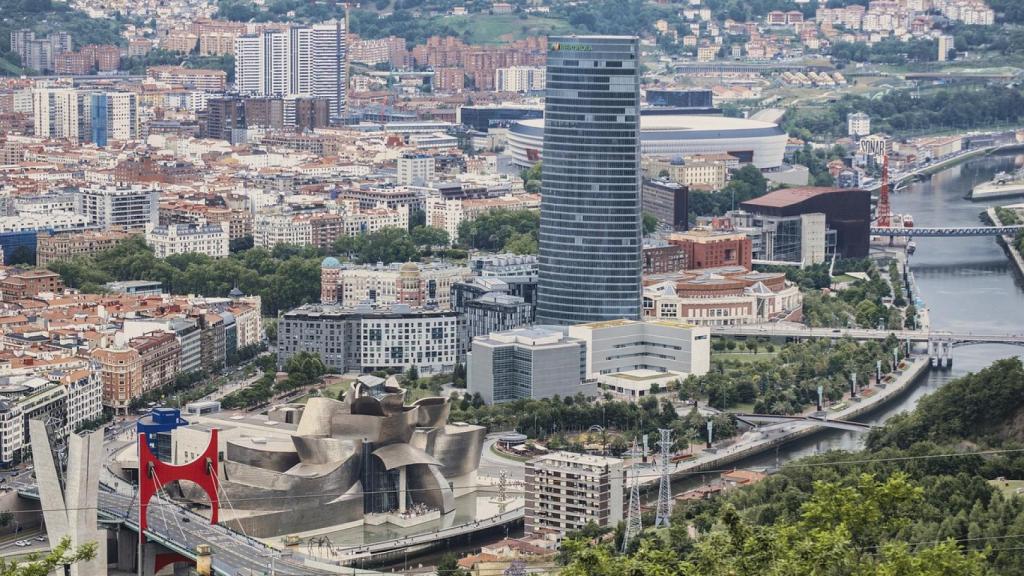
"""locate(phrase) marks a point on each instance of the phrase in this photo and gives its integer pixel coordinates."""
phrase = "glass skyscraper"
(590, 224)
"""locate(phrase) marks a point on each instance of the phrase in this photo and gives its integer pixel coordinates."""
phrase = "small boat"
(911, 247)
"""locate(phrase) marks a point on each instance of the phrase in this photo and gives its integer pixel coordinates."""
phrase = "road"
(491, 464)
(789, 329)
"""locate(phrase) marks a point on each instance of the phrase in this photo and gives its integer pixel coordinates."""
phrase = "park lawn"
(500, 28)
(1008, 487)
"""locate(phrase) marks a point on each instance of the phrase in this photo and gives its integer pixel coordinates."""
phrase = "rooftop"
(791, 196)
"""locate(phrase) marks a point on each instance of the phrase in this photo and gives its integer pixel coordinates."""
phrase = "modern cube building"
(618, 346)
(524, 363)
(590, 231)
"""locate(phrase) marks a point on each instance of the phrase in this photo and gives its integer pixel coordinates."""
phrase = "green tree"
(448, 565)
(429, 236)
(521, 244)
(36, 564)
(650, 223)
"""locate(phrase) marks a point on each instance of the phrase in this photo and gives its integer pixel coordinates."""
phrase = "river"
(968, 284)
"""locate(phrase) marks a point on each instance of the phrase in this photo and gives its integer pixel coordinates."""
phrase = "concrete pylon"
(70, 511)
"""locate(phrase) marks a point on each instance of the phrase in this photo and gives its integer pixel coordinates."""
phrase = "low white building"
(664, 346)
(415, 169)
(166, 240)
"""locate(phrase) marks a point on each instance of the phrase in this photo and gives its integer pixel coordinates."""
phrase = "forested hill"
(45, 16)
(923, 500)
(986, 408)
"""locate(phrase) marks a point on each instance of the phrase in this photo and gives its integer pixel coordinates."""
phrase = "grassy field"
(1008, 487)
(496, 29)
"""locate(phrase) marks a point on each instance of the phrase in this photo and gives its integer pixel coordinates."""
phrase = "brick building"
(30, 284)
(709, 249)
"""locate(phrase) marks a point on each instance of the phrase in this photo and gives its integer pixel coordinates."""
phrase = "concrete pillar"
(70, 510)
(403, 488)
(204, 560)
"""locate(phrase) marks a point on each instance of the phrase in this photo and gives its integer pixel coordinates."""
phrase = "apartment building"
(198, 78)
(120, 369)
(211, 239)
(566, 491)
(410, 283)
(29, 284)
(127, 207)
(160, 355)
(68, 397)
(519, 79)
(364, 338)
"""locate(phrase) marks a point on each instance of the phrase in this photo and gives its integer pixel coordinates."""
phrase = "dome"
(236, 293)
(409, 267)
(330, 262)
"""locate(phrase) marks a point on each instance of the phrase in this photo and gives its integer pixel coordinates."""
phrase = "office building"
(415, 169)
(639, 347)
(659, 257)
(485, 306)
(124, 207)
(808, 225)
(307, 60)
(527, 363)
(668, 202)
(858, 124)
(166, 240)
(590, 230)
(697, 101)
(364, 338)
(566, 491)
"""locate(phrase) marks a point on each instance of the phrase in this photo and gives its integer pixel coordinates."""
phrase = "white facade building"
(617, 346)
(415, 169)
(307, 60)
(130, 207)
(519, 79)
(211, 239)
(858, 124)
(71, 399)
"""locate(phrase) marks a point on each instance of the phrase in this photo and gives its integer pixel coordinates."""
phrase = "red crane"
(884, 209)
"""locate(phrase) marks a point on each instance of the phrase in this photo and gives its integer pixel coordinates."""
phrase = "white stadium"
(762, 144)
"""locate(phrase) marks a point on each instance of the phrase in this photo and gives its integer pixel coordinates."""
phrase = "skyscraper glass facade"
(590, 225)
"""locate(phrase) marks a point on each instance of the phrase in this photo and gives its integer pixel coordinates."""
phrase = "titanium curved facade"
(590, 203)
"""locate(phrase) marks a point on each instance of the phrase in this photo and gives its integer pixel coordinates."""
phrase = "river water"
(968, 285)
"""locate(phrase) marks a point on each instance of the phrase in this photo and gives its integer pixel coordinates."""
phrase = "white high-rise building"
(307, 60)
(519, 79)
(565, 491)
(61, 113)
(248, 63)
